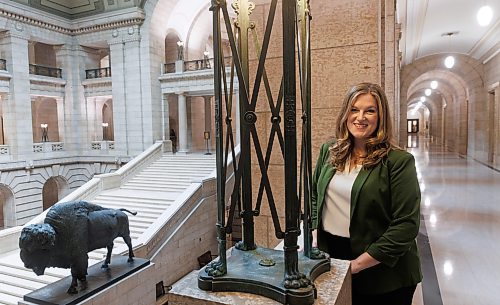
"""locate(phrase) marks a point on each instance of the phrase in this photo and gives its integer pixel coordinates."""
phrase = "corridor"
(460, 225)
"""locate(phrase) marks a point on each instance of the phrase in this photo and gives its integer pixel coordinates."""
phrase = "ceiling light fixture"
(428, 92)
(434, 85)
(422, 98)
(449, 61)
(484, 15)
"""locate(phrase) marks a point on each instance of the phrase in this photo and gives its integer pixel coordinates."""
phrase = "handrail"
(196, 64)
(9, 239)
(45, 71)
(106, 181)
(98, 73)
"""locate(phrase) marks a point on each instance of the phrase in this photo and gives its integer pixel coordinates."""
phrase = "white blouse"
(336, 214)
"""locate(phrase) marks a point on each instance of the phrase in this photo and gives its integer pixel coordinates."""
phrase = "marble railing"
(48, 147)
(102, 145)
(106, 181)
(9, 239)
(4, 150)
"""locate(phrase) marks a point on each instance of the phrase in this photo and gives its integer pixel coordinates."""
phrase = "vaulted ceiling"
(424, 24)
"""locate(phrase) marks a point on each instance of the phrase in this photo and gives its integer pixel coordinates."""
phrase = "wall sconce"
(104, 127)
(45, 132)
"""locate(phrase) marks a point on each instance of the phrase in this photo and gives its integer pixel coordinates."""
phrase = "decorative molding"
(20, 19)
(481, 48)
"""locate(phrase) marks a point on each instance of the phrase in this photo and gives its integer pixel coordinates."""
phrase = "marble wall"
(347, 48)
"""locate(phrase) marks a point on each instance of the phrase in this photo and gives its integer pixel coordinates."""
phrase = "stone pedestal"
(333, 288)
(97, 279)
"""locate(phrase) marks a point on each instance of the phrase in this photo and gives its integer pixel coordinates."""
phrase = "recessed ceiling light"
(484, 15)
(428, 92)
(434, 84)
(422, 98)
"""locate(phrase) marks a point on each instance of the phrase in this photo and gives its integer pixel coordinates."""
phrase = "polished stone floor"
(460, 229)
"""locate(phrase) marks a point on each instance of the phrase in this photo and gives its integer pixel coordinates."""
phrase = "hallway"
(461, 223)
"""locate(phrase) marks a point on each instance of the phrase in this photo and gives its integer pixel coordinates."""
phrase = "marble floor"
(460, 229)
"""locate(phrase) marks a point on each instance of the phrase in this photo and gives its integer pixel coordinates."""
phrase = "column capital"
(124, 35)
(16, 33)
(180, 93)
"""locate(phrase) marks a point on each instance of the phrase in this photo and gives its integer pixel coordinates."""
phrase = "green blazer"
(385, 219)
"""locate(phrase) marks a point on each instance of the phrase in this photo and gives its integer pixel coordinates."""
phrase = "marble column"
(182, 135)
(17, 105)
(165, 122)
(133, 130)
(71, 59)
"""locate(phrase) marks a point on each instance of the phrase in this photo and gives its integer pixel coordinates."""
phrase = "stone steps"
(150, 193)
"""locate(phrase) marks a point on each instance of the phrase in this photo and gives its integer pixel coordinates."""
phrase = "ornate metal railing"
(282, 281)
(3, 64)
(45, 71)
(98, 73)
(196, 65)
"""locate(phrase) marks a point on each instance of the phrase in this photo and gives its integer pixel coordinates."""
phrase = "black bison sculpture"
(71, 230)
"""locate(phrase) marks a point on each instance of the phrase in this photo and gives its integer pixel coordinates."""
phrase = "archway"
(456, 91)
(171, 47)
(54, 189)
(7, 210)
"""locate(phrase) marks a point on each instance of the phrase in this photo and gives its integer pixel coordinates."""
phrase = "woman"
(366, 201)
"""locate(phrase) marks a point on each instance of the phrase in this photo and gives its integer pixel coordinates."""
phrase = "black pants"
(340, 248)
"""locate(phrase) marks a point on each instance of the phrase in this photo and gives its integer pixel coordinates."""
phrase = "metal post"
(247, 215)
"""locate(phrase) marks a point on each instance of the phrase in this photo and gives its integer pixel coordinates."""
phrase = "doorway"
(413, 125)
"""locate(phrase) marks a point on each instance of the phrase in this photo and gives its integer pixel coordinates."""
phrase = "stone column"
(71, 59)
(165, 122)
(17, 105)
(128, 112)
(208, 119)
(182, 135)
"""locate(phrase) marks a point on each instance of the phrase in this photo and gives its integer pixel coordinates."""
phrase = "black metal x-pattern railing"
(295, 31)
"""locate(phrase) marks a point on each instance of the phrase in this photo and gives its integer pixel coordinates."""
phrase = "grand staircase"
(151, 192)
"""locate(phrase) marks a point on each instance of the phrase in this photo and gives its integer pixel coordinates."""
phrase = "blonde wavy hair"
(378, 145)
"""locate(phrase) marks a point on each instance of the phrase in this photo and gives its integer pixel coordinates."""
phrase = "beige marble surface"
(334, 288)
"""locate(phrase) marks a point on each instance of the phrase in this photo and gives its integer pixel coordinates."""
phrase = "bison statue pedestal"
(98, 279)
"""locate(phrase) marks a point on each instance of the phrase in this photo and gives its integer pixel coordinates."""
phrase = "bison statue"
(71, 230)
